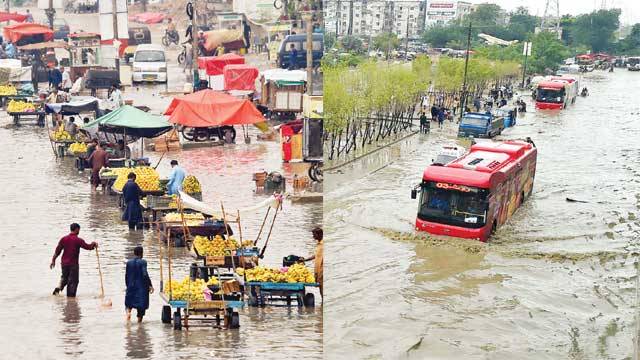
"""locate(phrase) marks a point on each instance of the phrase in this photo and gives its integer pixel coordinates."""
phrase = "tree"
(439, 36)
(330, 40)
(521, 24)
(352, 43)
(548, 52)
(386, 42)
(485, 15)
(596, 30)
(631, 44)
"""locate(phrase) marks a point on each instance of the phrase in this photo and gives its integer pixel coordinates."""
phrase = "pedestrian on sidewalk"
(70, 246)
(424, 123)
(138, 284)
(440, 116)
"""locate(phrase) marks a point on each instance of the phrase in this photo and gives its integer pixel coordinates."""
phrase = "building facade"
(402, 17)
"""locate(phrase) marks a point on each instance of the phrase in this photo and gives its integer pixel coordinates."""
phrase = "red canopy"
(240, 77)
(16, 32)
(215, 64)
(212, 108)
(148, 18)
(5, 16)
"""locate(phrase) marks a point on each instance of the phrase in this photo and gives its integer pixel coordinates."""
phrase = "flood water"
(43, 195)
(558, 281)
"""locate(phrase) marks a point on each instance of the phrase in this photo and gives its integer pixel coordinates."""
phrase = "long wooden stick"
(264, 221)
(100, 272)
(269, 235)
(239, 228)
(53, 148)
(226, 232)
(157, 230)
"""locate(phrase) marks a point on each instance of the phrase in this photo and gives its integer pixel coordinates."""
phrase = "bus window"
(453, 205)
(296, 44)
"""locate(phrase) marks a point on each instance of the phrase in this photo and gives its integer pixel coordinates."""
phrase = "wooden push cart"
(270, 293)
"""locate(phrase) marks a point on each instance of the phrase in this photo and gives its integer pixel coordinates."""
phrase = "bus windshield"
(452, 204)
(550, 95)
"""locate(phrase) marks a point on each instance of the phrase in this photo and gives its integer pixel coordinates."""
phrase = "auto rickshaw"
(137, 36)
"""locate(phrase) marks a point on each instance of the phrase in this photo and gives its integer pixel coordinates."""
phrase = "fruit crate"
(163, 201)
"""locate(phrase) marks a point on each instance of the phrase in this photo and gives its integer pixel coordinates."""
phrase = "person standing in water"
(138, 285)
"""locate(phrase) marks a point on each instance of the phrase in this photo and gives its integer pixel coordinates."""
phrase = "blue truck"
(480, 125)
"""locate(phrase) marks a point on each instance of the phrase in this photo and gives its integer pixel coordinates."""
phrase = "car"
(60, 29)
(149, 64)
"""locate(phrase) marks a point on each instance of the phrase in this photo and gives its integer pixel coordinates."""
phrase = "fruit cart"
(217, 310)
(22, 109)
(272, 293)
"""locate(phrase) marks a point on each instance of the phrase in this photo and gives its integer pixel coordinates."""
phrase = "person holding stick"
(70, 246)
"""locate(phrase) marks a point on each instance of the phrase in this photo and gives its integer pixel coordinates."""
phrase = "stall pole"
(269, 234)
(239, 228)
(226, 233)
(307, 19)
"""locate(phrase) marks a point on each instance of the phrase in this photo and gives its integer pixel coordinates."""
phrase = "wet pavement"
(556, 282)
(43, 195)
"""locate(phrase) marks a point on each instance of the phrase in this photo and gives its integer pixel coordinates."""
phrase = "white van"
(149, 64)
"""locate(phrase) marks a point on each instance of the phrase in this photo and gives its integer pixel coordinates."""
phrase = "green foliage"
(521, 24)
(330, 40)
(547, 53)
(449, 73)
(596, 30)
(631, 44)
(444, 36)
(351, 43)
(386, 42)
(484, 15)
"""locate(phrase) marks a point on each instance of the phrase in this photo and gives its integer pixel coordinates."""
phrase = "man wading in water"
(70, 246)
(138, 285)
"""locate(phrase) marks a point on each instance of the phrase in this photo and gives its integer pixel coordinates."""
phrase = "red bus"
(556, 93)
(472, 196)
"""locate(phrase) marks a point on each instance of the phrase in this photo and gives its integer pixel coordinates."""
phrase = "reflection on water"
(550, 284)
(138, 342)
(70, 333)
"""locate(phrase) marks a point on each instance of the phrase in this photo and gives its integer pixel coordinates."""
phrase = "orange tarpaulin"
(212, 108)
(5, 16)
(16, 32)
(240, 77)
(215, 64)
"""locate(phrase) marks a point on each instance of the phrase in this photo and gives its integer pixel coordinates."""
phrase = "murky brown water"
(42, 196)
(557, 282)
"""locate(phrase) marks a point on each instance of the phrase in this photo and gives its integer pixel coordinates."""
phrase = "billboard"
(442, 5)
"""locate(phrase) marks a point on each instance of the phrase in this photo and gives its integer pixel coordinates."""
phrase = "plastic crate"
(158, 201)
(248, 251)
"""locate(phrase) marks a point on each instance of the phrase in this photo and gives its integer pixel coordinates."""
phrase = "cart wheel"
(235, 320)
(309, 300)
(201, 134)
(177, 321)
(166, 314)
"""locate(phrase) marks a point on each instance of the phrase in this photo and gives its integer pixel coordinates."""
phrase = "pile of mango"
(20, 106)
(78, 148)
(61, 135)
(216, 247)
(188, 290)
(195, 219)
(191, 185)
(146, 177)
(8, 90)
(297, 273)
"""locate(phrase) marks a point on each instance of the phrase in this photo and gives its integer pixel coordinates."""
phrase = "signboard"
(441, 13)
(106, 19)
(442, 5)
(462, 188)
(526, 50)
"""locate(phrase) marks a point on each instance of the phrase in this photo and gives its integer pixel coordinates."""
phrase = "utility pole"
(307, 18)
(526, 50)
(7, 5)
(463, 100)
(406, 40)
(194, 45)
(115, 34)
(50, 12)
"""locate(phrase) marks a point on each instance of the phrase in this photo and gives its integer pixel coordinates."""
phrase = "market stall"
(208, 111)
(240, 77)
(282, 92)
(27, 33)
(211, 67)
(7, 16)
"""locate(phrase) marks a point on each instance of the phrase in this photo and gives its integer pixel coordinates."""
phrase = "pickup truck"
(480, 125)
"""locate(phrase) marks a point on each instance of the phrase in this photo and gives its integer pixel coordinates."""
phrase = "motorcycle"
(208, 133)
(182, 57)
(315, 171)
(170, 37)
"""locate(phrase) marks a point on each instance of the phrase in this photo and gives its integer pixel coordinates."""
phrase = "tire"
(494, 227)
(165, 41)
(182, 58)
(186, 133)
(201, 135)
(166, 314)
(309, 300)
(315, 173)
(234, 322)
(177, 321)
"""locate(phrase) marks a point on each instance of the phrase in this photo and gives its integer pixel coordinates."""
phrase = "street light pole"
(406, 40)
(466, 67)
(50, 12)
(114, 3)
(307, 18)
(194, 46)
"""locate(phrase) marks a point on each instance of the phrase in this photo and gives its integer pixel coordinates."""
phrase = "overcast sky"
(630, 8)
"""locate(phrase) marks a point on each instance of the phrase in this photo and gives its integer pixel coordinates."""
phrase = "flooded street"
(558, 281)
(45, 195)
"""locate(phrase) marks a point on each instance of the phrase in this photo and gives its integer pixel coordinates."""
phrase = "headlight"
(163, 69)
(137, 69)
